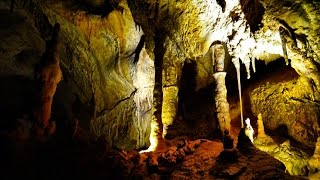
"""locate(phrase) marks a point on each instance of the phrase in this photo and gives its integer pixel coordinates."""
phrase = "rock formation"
(48, 75)
(123, 63)
(222, 105)
(249, 130)
(262, 138)
(314, 161)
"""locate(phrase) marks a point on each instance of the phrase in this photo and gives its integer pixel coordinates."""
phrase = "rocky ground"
(182, 158)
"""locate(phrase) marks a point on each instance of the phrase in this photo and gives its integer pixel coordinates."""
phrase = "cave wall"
(290, 104)
(97, 57)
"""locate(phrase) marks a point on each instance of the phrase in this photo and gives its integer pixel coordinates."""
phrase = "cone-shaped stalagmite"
(48, 74)
(221, 103)
(262, 137)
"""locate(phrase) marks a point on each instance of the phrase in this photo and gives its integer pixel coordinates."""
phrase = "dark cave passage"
(17, 99)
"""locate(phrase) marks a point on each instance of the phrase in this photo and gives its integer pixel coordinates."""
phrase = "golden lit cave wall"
(95, 55)
(302, 16)
(289, 104)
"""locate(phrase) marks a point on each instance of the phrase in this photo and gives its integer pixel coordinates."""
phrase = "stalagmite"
(261, 132)
(48, 74)
(249, 130)
(222, 105)
(262, 137)
(237, 66)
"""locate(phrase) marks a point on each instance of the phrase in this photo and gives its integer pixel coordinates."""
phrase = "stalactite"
(247, 65)
(221, 103)
(253, 64)
(300, 61)
(237, 66)
(282, 32)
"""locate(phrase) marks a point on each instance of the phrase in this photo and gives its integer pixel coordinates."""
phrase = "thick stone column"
(222, 105)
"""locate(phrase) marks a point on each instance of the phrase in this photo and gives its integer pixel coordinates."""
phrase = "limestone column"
(221, 103)
(170, 96)
(156, 139)
(48, 74)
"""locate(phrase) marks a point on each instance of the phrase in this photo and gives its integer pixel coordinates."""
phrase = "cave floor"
(61, 158)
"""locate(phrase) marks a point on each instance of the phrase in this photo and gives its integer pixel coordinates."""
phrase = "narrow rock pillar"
(48, 75)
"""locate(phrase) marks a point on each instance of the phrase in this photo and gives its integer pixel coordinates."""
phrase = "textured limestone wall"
(290, 104)
(99, 58)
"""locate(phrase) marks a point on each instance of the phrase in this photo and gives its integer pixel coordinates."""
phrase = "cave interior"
(155, 89)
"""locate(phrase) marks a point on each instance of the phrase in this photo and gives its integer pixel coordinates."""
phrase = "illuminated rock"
(222, 105)
(249, 130)
(314, 161)
(262, 138)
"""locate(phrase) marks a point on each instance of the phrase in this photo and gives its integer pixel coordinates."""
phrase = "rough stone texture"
(313, 163)
(97, 58)
(301, 16)
(99, 51)
(295, 160)
(262, 138)
(21, 44)
(200, 159)
(288, 103)
(222, 105)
